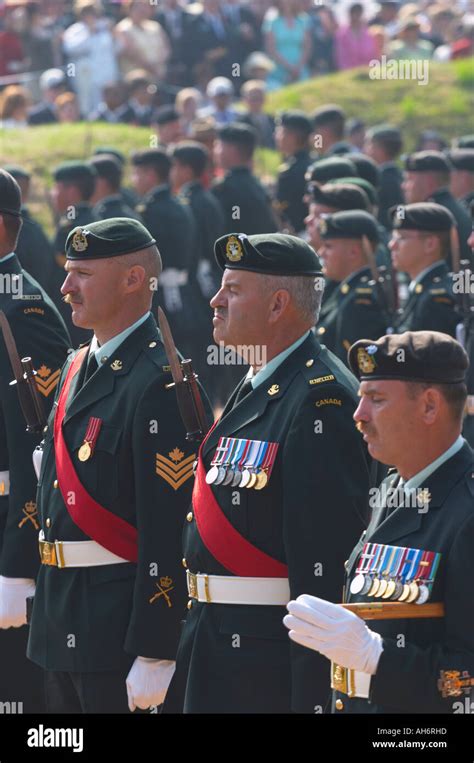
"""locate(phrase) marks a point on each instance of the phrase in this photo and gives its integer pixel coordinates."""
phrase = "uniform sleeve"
(437, 313)
(326, 483)
(363, 321)
(19, 550)
(163, 474)
(410, 674)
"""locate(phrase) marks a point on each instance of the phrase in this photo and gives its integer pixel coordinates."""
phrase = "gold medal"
(381, 589)
(374, 587)
(413, 594)
(390, 589)
(405, 593)
(84, 451)
(262, 480)
(252, 480)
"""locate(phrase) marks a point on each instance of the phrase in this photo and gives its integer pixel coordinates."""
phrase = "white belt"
(354, 683)
(85, 553)
(4, 483)
(227, 589)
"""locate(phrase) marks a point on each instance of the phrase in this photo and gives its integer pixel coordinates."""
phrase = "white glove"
(13, 595)
(335, 632)
(148, 681)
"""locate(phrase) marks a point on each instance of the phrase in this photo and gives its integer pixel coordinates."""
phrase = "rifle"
(188, 395)
(382, 280)
(24, 372)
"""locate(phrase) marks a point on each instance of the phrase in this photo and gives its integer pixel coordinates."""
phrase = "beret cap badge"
(233, 249)
(79, 241)
(365, 361)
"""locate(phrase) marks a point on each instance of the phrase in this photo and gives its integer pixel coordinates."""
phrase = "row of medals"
(219, 475)
(381, 588)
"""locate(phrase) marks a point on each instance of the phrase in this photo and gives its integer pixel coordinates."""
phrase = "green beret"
(427, 161)
(10, 194)
(419, 356)
(69, 172)
(465, 141)
(462, 159)
(108, 167)
(267, 253)
(425, 216)
(327, 115)
(331, 168)
(366, 169)
(111, 150)
(385, 133)
(295, 120)
(360, 183)
(19, 173)
(107, 238)
(348, 224)
(340, 196)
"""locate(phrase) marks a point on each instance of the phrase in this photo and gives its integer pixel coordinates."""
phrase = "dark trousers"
(104, 692)
(21, 681)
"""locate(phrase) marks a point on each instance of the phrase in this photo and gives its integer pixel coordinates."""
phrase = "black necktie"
(91, 367)
(245, 389)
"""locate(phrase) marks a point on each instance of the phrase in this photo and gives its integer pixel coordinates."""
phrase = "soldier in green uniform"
(113, 489)
(417, 549)
(420, 247)
(324, 170)
(33, 249)
(427, 177)
(462, 175)
(190, 162)
(129, 196)
(107, 199)
(293, 129)
(384, 144)
(271, 514)
(74, 184)
(353, 310)
(329, 124)
(244, 201)
(327, 199)
(170, 221)
(40, 333)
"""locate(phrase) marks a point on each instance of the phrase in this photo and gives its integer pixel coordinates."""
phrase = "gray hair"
(305, 291)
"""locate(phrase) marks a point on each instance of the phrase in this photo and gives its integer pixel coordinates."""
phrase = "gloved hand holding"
(13, 595)
(148, 681)
(335, 632)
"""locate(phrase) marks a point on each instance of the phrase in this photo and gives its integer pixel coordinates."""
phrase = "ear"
(431, 401)
(279, 303)
(135, 278)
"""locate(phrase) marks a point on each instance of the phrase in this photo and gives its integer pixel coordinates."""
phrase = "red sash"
(222, 540)
(112, 532)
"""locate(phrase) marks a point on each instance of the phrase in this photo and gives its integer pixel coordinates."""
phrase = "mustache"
(363, 430)
(68, 298)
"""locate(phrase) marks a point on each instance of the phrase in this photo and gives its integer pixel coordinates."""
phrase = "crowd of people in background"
(124, 60)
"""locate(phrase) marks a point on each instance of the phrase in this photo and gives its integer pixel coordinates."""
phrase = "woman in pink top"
(355, 45)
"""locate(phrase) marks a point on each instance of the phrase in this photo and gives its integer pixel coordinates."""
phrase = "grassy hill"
(445, 104)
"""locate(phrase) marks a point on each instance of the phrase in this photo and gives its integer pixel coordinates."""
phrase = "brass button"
(309, 362)
(152, 344)
(55, 484)
(321, 330)
(339, 704)
(48, 522)
(189, 604)
(189, 516)
(184, 563)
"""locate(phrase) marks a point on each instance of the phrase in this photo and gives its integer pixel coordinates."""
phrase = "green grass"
(445, 104)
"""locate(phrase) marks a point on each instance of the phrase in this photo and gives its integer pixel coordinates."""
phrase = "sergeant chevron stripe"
(47, 381)
(175, 474)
